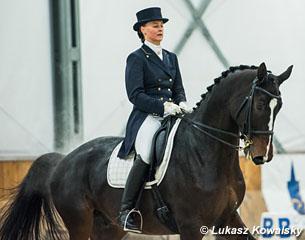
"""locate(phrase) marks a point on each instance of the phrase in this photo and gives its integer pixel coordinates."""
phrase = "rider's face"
(153, 31)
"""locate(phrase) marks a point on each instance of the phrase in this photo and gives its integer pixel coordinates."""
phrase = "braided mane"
(223, 75)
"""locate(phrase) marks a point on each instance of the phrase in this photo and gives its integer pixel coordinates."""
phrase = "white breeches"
(145, 136)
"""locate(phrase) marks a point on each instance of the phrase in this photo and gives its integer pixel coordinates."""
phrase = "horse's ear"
(285, 75)
(261, 72)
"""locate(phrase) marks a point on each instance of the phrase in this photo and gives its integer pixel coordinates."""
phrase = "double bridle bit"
(247, 131)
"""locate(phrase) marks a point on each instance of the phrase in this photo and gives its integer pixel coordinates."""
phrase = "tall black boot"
(134, 183)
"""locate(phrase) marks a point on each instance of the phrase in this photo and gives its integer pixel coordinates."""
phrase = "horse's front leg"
(190, 233)
(190, 228)
(233, 225)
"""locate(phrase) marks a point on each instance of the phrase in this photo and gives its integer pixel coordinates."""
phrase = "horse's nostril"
(258, 160)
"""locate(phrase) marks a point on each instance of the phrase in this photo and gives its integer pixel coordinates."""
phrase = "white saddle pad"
(118, 169)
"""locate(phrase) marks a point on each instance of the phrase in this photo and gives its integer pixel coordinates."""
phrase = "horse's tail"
(30, 212)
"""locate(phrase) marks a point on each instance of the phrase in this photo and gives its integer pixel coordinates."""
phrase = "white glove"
(171, 108)
(185, 107)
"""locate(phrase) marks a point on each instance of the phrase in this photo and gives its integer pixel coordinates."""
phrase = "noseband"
(247, 130)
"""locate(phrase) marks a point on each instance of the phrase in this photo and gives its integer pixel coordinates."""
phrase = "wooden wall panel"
(11, 174)
(252, 174)
(254, 204)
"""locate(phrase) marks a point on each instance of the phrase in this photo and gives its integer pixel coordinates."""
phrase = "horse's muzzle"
(261, 150)
(258, 160)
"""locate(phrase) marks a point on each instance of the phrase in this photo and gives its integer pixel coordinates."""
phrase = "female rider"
(154, 86)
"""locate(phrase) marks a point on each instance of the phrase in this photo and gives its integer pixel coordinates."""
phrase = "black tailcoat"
(149, 83)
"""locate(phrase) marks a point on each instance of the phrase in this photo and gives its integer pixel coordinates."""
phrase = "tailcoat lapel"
(153, 57)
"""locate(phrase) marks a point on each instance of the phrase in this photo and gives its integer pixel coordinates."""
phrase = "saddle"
(162, 145)
(159, 142)
(162, 211)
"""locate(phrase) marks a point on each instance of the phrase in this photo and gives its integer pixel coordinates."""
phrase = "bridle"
(247, 131)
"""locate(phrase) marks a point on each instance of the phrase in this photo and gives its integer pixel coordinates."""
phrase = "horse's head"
(257, 112)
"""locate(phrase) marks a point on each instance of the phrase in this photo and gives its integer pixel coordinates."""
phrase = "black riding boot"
(134, 183)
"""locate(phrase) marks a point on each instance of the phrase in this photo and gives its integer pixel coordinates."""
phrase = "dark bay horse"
(203, 186)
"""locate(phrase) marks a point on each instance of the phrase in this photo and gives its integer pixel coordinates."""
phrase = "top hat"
(148, 15)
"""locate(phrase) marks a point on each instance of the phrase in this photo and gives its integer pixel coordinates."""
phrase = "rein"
(202, 128)
(247, 131)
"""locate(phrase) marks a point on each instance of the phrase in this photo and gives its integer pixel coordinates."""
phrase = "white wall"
(248, 32)
(26, 120)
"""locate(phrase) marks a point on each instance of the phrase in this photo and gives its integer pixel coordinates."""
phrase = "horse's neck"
(215, 113)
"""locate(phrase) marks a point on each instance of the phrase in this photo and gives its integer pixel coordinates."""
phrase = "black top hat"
(147, 15)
